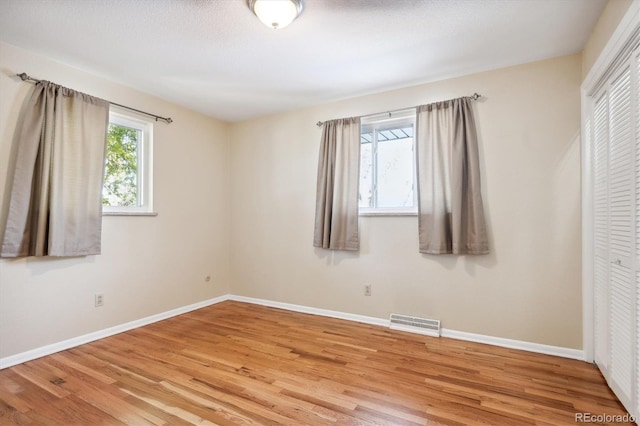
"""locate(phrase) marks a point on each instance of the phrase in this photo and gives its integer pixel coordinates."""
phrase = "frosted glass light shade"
(276, 14)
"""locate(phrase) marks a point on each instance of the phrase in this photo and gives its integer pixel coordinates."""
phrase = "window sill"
(129, 214)
(388, 213)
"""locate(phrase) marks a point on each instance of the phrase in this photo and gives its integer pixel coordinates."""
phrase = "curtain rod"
(475, 97)
(168, 120)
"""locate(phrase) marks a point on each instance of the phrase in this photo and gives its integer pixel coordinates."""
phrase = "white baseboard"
(80, 340)
(313, 311)
(415, 330)
(515, 344)
(453, 334)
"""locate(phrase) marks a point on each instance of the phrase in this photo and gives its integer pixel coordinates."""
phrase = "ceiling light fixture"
(276, 14)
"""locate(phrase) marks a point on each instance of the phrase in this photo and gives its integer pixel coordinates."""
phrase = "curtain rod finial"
(23, 76)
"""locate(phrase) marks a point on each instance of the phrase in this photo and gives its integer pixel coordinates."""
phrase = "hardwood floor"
(236, 363)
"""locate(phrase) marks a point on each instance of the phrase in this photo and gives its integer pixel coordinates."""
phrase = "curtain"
(336, 225)
(55, 206)
(450, 212)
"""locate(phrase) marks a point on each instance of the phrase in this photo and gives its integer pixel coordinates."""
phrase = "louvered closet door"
(601, 230)
(622, 300)
(636, 62)
(614, 129)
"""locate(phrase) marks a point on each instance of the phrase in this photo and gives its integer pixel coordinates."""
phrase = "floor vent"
(430, 327)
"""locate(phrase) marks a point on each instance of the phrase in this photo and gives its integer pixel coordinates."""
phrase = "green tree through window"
(121, 169)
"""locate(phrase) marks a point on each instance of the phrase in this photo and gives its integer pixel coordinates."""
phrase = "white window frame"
(121, 117)
(385, 121)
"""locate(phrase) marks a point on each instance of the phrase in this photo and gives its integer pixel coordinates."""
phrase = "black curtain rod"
(168, 120)
(475, 97)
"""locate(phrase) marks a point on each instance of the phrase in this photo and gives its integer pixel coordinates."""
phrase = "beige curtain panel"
(336, 226)
(450, 211)
(56, 199)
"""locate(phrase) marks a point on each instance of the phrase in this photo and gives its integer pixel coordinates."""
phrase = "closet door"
(622, 294)
(636, 64)
(600, 134)
(614, 131)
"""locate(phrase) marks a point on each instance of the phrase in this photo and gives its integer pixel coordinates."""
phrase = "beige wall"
(528, 288)
(149, 264)
(606, 25)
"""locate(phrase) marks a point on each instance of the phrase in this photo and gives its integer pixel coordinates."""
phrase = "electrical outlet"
(367, 289)
(99, 299)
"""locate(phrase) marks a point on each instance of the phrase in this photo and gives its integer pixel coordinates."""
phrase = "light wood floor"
(236, 363)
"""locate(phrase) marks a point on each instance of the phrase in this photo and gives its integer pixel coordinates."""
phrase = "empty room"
(314, 212)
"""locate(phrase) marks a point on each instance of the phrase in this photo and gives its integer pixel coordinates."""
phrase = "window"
(127, 177)
(387, 165)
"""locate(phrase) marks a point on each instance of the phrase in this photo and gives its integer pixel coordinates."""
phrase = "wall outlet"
(99, 299)
(367, 289)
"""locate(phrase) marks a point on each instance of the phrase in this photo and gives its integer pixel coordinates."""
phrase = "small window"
(127, 177)
(387, 166)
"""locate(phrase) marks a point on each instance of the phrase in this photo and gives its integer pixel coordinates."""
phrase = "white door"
(600, 134)
(622, 291)
(614, 131)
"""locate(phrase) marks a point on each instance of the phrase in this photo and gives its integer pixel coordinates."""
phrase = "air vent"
(430, 327)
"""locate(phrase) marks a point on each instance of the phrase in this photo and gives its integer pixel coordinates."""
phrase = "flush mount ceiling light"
(276, 13)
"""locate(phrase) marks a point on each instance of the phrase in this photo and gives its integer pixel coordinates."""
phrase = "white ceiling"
(215, 57)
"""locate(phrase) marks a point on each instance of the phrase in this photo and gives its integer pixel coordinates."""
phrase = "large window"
(387, 166)
(127, 179)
